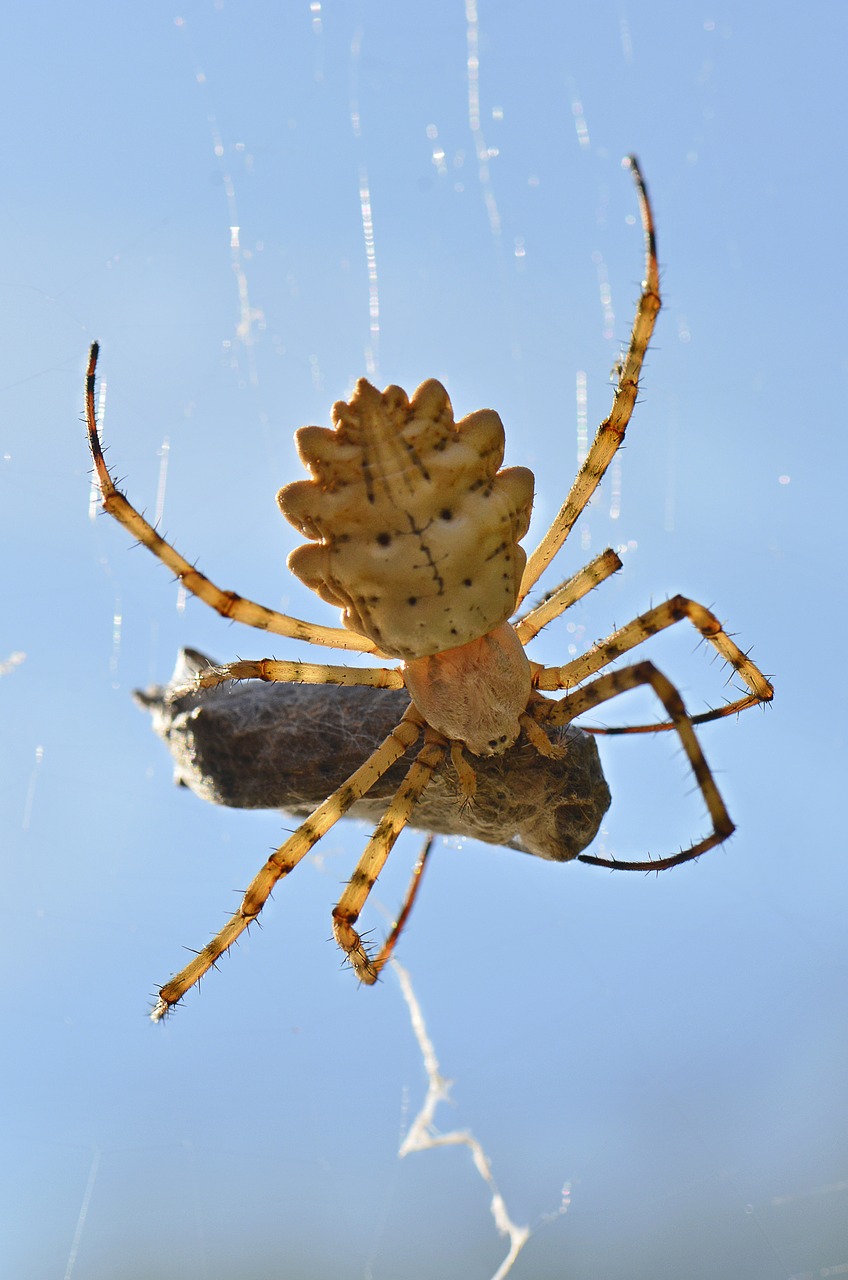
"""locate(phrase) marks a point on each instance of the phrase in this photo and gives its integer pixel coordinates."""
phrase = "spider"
(414, 532)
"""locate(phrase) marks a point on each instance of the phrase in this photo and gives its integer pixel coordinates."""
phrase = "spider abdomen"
(414, 529)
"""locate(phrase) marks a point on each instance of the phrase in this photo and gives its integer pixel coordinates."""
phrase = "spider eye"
(384, 539)
(446, 514)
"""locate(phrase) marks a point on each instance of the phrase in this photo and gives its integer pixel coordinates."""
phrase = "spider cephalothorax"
(414, 533)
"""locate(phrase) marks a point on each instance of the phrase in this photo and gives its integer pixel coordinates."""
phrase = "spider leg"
(385, 953)
(289, 854)
(227, 603)
(536, 734)
(349, 907)
(649, 624)
(563, 597)
(464, 772)
(703, 717)
(609, 686)
(611, 432)
(278, 672)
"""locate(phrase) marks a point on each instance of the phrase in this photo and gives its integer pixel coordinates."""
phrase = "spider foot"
(354, 948)
(160, 1010)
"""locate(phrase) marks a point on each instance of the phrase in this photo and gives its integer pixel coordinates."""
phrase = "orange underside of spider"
(413, 530)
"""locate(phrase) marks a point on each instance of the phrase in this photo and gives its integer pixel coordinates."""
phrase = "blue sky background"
(673, 1047)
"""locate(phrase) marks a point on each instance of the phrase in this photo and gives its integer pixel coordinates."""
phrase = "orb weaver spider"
(414, 531)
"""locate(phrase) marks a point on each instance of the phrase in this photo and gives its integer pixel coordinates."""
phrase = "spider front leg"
(397, 815)
(227, 603)
(609, 686)
(408, 903)
(289, 854)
